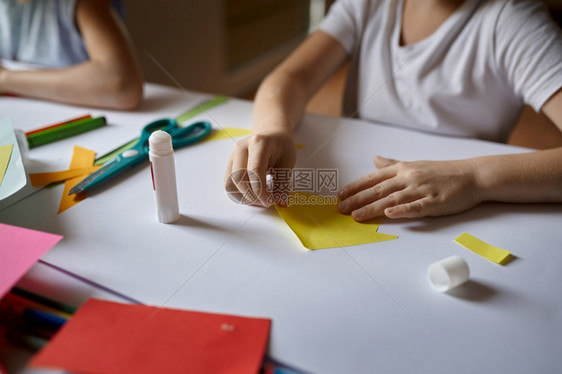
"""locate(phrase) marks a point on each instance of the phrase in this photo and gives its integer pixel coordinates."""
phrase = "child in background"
(454, 67)
(81, 48)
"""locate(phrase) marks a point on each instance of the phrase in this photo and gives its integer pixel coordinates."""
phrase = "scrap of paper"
(494, 254)
(235, 132)
(14, 177)
(20, 249)
(320, 226)
(227, 132)
(43, 179)
(5, 155)
(109, 337)
(81, 158)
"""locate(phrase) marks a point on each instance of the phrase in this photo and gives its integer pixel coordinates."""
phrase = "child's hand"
(252, 157)
(411, 189)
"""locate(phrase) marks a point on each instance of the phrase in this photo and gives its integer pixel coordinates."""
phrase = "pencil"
(57, 125)
(12, 306)
(12, 317)
(43, 300)
(13, 301)
(65, 131)
(43, 319)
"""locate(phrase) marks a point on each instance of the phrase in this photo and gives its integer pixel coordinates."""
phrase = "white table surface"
(361, 309)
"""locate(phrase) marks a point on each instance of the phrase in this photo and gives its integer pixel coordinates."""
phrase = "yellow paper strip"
(483, 249)
(5, 155)
(320, 226)
(235, 132)
(81, 158)
(43, 179)
(227, 132)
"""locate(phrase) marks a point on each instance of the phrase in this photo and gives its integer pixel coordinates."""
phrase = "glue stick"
(162, 167)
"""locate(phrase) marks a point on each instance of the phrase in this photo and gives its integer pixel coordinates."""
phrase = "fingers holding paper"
(411, 189)
(251, 159)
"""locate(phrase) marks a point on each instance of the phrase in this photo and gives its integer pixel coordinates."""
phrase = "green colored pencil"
(65, 131)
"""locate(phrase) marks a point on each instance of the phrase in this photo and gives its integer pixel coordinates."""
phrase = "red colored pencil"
(57, 124)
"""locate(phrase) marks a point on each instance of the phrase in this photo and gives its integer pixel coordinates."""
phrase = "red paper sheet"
(109, 337)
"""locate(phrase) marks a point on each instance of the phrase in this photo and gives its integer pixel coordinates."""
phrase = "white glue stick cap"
(160, 143)
(448, 273)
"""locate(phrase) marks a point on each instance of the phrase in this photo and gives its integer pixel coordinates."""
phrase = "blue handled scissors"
(181, 137)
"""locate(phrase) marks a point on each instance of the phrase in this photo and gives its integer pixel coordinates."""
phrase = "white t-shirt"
(41, 32)
(469, 78)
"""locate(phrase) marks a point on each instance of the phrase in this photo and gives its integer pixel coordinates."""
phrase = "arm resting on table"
(110, 79)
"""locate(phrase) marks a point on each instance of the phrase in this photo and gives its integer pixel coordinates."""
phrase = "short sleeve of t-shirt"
(343, 22)
(528, 50)
(41, 32)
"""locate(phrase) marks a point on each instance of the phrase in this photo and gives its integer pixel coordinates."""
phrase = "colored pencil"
(16, 302)
(57, 125)
(43, 319)
(65, 131)
(43, 300)
(12, 317)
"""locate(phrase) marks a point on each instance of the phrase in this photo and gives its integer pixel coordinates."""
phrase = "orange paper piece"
(109, 337)
(43, 179)
(81, 158)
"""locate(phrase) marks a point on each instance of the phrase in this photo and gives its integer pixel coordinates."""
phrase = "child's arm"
(433, 188)
(110, 79)
(279, 106)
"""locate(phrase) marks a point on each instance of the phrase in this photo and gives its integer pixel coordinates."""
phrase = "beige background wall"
(219, 46)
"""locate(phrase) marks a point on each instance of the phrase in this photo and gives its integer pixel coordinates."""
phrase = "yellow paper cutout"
(235, 132)
(320, 226)
(43, 179)
(5, 155)
(227, 132)
(494, 254)
(81, 158)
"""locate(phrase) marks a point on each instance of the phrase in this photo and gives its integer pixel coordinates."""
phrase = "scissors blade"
(94, 179)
